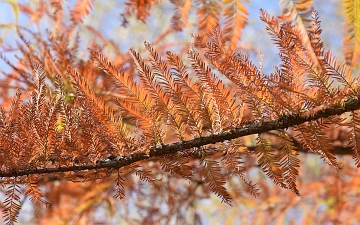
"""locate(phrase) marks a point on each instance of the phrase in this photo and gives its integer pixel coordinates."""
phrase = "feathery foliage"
(150, 114)
(352, 39)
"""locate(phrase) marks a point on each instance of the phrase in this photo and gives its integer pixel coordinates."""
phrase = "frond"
(192, 99)
(127, 87)
(32, 190)
(176, 166)
(298, 12)
(205, 89)
(328, 64)
(314, 32)
(96, 147)
(296, 8)
(36, 115)
(235, 15)
(269, 162)
(169, 92)
(81, 9)
(215, 179)
(313, 138)
(354, 140)
(181, 15)
(250, 83)
(145, 175)
(228, 102)
(208, 13)
(12, 203)
(232, 163)
(352, 38)
(141, 9)
(147, 81)
(341, 73)
(216, 48)
(152, 84)
(288, 161)
(291, 46)
(119, 189)
(105, 109)
(291, 79)
(14, 110)
(57, 4)
(40, 88)
(11, 137)
(130, 98)
(220, 97)
(114, 124)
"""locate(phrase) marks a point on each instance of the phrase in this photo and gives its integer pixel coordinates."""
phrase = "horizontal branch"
(286, 121)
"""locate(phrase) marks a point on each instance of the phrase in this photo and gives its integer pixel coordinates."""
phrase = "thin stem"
(285, 121)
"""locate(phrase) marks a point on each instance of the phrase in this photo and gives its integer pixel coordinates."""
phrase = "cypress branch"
(285, 121)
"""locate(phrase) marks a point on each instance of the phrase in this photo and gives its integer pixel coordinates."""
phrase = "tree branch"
(285, 121)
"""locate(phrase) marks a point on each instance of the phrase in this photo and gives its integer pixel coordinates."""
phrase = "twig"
(285, 121)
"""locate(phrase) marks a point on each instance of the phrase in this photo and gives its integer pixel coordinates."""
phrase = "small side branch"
(286, 121)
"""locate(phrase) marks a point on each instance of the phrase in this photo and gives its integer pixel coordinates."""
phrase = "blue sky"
(254, 34)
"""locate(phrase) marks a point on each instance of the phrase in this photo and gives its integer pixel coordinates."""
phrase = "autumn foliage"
(154, 126)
